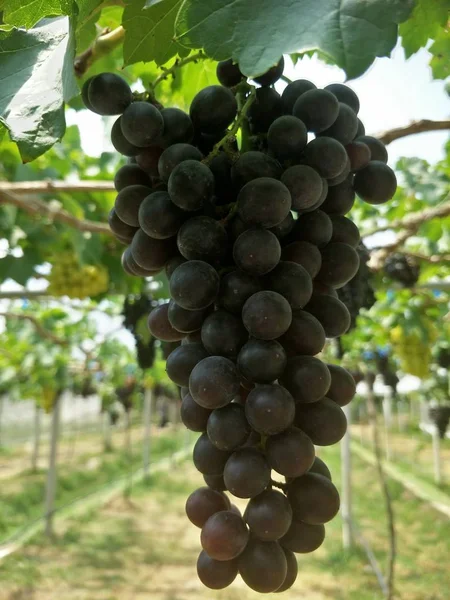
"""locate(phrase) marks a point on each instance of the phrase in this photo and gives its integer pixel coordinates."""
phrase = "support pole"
(146, 449)
(346, 496)
(50, 491)
(437, 456)
(37, 437)
(387, 415)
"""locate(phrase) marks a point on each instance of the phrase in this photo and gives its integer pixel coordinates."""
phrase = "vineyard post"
(437, 455)
(1, 416)
(107, 432)
(50, 491)
(148, 399)
(387, 417)
(346, 477)
(37, 437)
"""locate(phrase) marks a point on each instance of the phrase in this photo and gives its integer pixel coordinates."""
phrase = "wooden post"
(361, 424)
(107, 432)
(437, 456)
(387, 414)
(37, 437)
(346, 494)
(50, 491)
(2, 400)
(146, 447)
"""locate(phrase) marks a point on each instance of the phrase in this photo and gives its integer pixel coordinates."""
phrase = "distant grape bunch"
(358, 293)
(403, 269)
(255, 244)
(70, 278)
(135, 311)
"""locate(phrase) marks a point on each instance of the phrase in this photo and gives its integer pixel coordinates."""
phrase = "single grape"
(132, 268)
(361, 129)
(216, 574)
(223, 334)
(142, 124)
(214, 382)
(85, 94)
(246, 473)
(290, 453)
(264, 202)
(159, 324)
(284, 228)
(172, 264)
(341, 177)
(150, 253)
(318, 109)
(235, 288)
(376, 183)
(305, 186)
(265, 108)
(213, 109)
(377, 148)
(147, 159)
(266, 315)
(320, 467)
(344, 94)
(252, 165)
(182, 361)
(343, 386)
(208, 459)
(215, 482)
(194, 285)
(173, 156)
(286, 138)
(272, 75)
(331, 312)
(324, 422)
(159, 217)
(128, 202)
(307, 378)
(190, 185)
(178, 127)
(305, 336)
(256, 251)
(224, 535)
(292, 281)
(228, 73)
(314, 227)
(340, 263)
(314, 499)
(340, 198)
(263, 566)
(261, 361)
(203, 503)
(345, 126)
(184, 320)
(326, 155)
(293, 91)
(193, 416)
(292, 571)
(345, 231)
(119, 141)
(130, 175)
(270, 409)
(227, 427)
(109, 94)
(202, 238)
(305, 254)
(303, 537)
(359, 155)
(119, 228)
(268, 515)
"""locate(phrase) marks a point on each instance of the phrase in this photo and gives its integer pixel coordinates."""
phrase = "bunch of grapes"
(440, 415)
(135, 312)
(255, 244)
(386, 370)
(70, 278)
(413, 349)
(403, 269)
(443, 357)
(358, 293)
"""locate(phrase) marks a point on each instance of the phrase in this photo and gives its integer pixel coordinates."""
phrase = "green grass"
(24, 503)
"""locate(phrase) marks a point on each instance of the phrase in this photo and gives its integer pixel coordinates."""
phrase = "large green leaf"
(36, 77)
(351, 32)
(150, 32)
(426, 19)
(440, 63)
(26, 13)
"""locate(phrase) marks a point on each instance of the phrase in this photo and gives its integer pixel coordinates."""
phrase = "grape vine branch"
(40, 329)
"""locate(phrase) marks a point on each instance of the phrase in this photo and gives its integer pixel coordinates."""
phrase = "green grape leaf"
(150, 32)
(18, 269)
(351, 33)
(426, 19)
(36, 77)
(26, 13)
(440, 63)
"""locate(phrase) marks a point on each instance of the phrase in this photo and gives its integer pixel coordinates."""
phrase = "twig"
(105, 43)
(278, 484)
(434, 258)
(23, 294)
(231, 133)
(415, 127)
(286, 79)
(49, 186)
(178, 64)
(41, 330)
(385, 489)
(33, 206)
